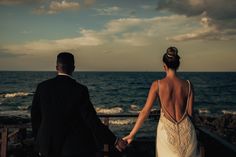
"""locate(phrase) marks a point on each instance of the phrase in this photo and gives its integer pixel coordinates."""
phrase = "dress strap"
(189, 90)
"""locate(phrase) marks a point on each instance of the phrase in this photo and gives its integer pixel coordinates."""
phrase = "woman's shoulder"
(155, 83)
(186, 85)
(184, 81)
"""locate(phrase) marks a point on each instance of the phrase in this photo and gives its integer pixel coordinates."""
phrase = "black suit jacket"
(64, 121)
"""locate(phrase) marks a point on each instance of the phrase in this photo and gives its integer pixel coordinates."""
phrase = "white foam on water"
(122, 122)
(134, 107)
(229, 112)
(15, 113)
(114, 110)
(154, 111)
(16, 94)
(25, 107)
(203, 111)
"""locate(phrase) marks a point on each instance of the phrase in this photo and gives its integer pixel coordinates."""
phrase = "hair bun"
(172, 52)
(171, 58)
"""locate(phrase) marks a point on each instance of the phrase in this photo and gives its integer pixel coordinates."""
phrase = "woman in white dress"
(176, 136)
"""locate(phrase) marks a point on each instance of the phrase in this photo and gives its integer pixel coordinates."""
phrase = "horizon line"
(76, 71)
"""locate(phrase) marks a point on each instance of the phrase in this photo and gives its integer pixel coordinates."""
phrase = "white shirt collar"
(64, 74)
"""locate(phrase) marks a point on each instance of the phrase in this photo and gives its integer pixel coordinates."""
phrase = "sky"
(117, 35)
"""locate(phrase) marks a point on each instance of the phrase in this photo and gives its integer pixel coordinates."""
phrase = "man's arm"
(90, 117)
(35, 113)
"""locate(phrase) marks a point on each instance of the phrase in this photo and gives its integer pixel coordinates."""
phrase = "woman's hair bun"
(171, 58)
(172, 52)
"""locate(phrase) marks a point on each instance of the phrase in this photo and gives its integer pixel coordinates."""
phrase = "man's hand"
(120, 144)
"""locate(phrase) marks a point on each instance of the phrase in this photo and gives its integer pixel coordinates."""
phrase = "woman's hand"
(128, 138)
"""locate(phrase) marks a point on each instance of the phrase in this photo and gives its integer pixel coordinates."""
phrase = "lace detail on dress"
(178, 134)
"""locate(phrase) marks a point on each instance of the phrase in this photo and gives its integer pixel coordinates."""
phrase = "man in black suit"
(64, 121)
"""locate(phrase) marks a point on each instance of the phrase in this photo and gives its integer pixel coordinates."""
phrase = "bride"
(176, 136)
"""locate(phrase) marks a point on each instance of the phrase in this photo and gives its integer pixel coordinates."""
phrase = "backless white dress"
(176, 138)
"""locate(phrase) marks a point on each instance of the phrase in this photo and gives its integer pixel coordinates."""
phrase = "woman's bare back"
(173, 96)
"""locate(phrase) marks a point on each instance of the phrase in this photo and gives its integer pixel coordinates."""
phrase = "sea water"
(121, 93)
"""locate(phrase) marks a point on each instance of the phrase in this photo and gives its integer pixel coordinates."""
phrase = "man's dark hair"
(65, 62)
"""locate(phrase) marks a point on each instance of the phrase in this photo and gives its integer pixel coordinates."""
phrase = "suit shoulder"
(81, 86)
(46, 82)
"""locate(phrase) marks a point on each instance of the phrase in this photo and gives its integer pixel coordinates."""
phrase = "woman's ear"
(165, 67)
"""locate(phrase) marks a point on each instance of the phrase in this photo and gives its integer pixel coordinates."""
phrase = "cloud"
(210, 30)
(147, 7)
(88, 38)
(89, 2)
(26, 32)
(56, 6)
(5, 54)
(11, 2)
(15, 2)
(115, 11)
(130, 32)
(133, 39)
(221, 9)
(217, 18)
(109, 10)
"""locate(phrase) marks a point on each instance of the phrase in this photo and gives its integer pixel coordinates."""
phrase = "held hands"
(120, 144)
(128, 139)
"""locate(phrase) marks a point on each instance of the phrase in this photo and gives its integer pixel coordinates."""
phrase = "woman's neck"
(171, 73)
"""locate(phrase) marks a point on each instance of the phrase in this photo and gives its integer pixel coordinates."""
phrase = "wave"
(122, 122)
(16, 94)
(134, 107)
(229, 112)
(203, 111)
(15, 113)
(25, 107)
(114, 110)
(154, 111)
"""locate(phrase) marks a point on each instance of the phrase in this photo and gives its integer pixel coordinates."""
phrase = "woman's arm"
(144, 113)
(190, 108)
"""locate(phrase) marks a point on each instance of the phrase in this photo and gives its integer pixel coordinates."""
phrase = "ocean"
(122, 93)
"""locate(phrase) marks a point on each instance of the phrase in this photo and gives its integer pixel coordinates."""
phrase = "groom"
(64, 121)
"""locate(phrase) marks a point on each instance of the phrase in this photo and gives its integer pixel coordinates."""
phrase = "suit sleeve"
(35, 113)
(91, 119)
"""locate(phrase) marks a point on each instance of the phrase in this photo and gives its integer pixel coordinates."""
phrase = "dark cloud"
(216, 9)
(217, 17)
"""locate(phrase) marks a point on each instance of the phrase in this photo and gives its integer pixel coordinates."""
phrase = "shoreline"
(223, 125)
